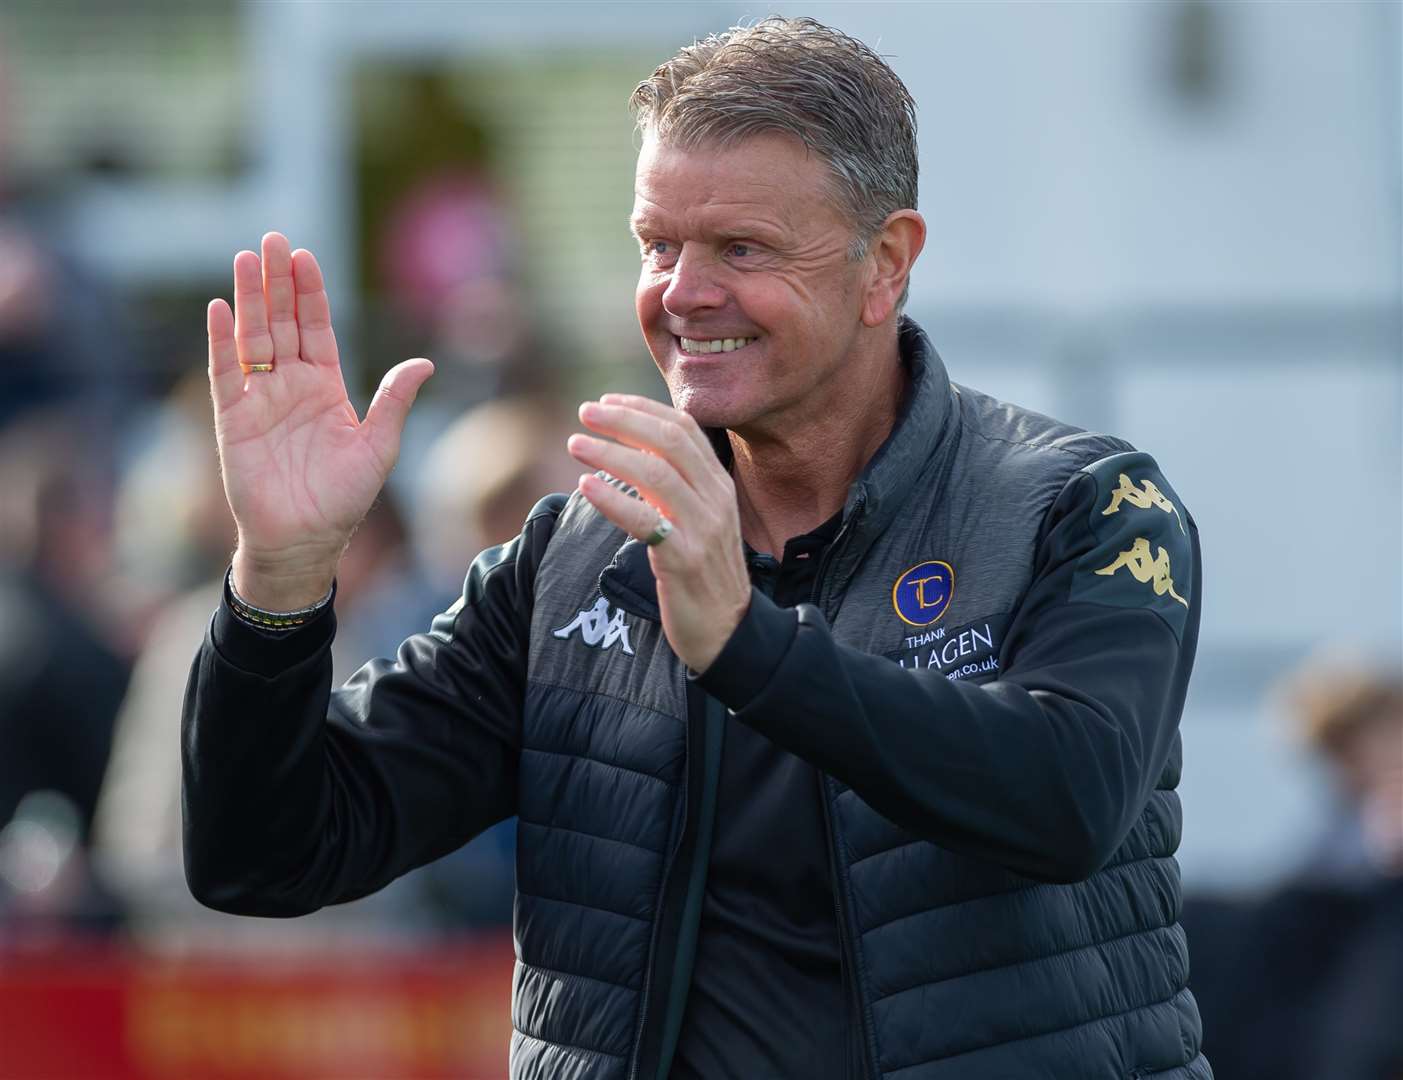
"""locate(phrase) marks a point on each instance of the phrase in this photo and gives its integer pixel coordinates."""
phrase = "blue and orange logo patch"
(923, 594)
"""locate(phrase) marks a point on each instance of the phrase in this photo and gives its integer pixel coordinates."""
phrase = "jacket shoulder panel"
(1024, 441)
(992, 498)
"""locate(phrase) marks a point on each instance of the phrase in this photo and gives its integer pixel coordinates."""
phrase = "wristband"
(273, 620)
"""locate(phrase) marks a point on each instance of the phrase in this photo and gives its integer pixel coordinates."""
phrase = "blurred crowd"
(1306, 981)
(115, 534)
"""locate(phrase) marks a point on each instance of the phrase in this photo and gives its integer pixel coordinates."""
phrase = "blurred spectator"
(58, 343)
(63, 649)
(476, 484)
(480, 478)
(59, 329)
(174, 535)
(62, 673)
(437, 243)
(1354, 721)
(380, 600)
(1308, 982)
(454, 289)
(173, 526)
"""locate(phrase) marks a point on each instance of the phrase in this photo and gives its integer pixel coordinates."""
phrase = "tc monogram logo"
(1144, 499)
(922, 594)
(596, 627)
(1150, 570)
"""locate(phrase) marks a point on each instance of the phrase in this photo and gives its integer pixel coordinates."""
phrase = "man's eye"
(739, 250)
(657, 247)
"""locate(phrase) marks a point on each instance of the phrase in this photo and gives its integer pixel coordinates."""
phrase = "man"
(841, 725)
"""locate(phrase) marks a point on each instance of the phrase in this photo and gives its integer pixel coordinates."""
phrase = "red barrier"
(124, 1015)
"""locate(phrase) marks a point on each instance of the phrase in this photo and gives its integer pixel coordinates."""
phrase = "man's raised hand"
(300, 470)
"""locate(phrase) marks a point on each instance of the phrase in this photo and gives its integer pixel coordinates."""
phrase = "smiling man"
(839, 704)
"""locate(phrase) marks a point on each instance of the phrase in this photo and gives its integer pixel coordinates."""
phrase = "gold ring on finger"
(254, 369)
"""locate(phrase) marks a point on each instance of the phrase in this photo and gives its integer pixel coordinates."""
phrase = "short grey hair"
(801, 78)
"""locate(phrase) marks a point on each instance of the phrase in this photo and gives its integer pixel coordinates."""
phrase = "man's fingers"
(661, 411)
(384, 420)
(634, 516)
(226, 378)
(654, 476)
(313, 310)
(280, 298)
(664, 435)
(251, 336)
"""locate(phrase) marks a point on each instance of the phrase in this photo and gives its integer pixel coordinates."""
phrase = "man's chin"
(709, 408)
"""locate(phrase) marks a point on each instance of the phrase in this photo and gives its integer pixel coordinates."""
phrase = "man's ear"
(891, 253)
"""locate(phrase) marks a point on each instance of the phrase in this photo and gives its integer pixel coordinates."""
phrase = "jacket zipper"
(708, 753)
(657, 922)
(829, 552)
(647, 985)
(684, 957)
(847, 954)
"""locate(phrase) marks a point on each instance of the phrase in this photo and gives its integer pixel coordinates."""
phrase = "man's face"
(747, 298)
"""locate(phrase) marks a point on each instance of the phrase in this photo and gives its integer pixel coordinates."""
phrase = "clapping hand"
(703, 587)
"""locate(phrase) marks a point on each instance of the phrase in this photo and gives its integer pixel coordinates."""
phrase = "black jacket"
(991, 680)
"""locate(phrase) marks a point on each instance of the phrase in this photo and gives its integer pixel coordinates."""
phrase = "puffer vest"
(958, 969)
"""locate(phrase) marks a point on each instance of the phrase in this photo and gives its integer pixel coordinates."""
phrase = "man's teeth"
(730, 344)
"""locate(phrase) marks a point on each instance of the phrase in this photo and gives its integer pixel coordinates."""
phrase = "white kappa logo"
(598, 628)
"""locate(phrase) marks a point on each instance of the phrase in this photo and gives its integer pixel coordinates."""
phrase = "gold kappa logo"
(1147, 569)
(1144, 498)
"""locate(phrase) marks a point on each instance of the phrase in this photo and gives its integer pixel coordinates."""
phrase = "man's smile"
(702, 346)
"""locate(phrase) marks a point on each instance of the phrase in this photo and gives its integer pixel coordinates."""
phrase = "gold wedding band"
(250, 369)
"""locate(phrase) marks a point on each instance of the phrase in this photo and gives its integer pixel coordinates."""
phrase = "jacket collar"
(923, 430)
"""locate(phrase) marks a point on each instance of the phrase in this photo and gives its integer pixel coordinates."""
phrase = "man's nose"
(693, 285)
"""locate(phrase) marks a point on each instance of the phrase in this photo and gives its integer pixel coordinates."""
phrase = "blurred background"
(1178, 222)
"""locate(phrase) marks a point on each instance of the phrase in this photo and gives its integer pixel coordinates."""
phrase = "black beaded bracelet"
(272, 620)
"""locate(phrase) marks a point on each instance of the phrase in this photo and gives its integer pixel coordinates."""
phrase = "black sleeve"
(297, 795)
(1045, 769)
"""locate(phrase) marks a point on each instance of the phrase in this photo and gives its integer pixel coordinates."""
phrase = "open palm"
(300, 469)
